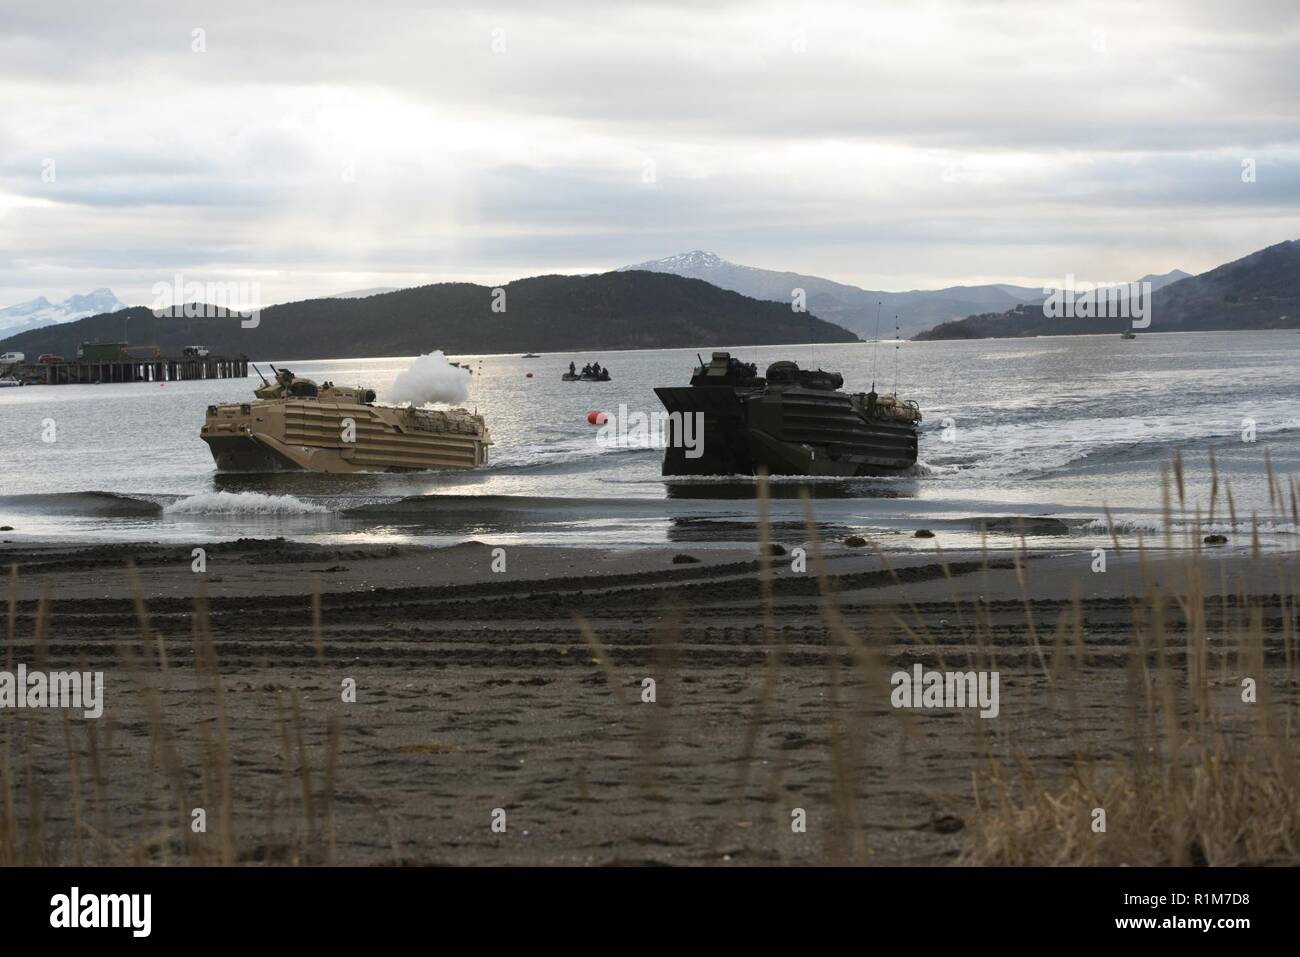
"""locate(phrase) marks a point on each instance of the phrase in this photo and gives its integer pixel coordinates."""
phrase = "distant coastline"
(1257, 292)
(619, 310)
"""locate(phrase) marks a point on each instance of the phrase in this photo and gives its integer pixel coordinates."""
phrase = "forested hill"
(616, 310)
(1259, 291)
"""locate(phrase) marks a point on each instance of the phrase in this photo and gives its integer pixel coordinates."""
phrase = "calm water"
(1054, 427)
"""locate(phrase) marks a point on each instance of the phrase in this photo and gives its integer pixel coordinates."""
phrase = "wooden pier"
(138, 370)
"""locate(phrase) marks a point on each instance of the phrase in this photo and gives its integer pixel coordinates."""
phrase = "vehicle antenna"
(875, 347)
(812, 345)
(897, 343)
(259, 372)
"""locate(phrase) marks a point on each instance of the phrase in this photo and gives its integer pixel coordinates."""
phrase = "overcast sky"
(314, 147)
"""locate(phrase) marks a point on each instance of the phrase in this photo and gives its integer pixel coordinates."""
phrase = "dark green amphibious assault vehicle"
(791, 422)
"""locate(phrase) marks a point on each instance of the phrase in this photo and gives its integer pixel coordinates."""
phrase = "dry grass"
(176, 779)
(1203, 776)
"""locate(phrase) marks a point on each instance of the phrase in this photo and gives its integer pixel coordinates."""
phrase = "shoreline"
(787, 345)
(695, 516)
(84, 570)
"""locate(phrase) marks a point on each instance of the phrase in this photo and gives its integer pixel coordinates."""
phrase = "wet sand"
(476, 690)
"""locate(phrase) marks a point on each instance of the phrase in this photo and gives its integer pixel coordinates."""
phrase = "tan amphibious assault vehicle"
(296, 424)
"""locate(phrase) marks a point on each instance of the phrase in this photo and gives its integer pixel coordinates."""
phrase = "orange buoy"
(597, 418)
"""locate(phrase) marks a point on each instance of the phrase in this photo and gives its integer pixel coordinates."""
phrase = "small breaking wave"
(1034, 447)
(924, 469)
(88, 504)
(242, 503)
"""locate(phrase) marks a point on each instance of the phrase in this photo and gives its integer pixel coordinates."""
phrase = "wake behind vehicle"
(790, 422)
(297, 424)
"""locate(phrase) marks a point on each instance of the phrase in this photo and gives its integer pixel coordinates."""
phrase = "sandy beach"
(431, 697)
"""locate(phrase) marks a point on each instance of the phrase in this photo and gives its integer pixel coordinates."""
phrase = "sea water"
(1056, 427)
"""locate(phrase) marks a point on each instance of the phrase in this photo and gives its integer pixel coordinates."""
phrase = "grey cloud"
(221, 161)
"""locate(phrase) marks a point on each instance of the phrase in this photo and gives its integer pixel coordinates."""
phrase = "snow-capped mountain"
(864, 311)
(696, 259)
(41, 312)
(849, 306)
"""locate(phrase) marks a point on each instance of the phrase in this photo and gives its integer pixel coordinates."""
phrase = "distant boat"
(9, 382)
(530, 355)
(585, 376)
(1128, 334)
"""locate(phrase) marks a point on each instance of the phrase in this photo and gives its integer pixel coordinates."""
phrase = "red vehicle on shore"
(48, 359)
